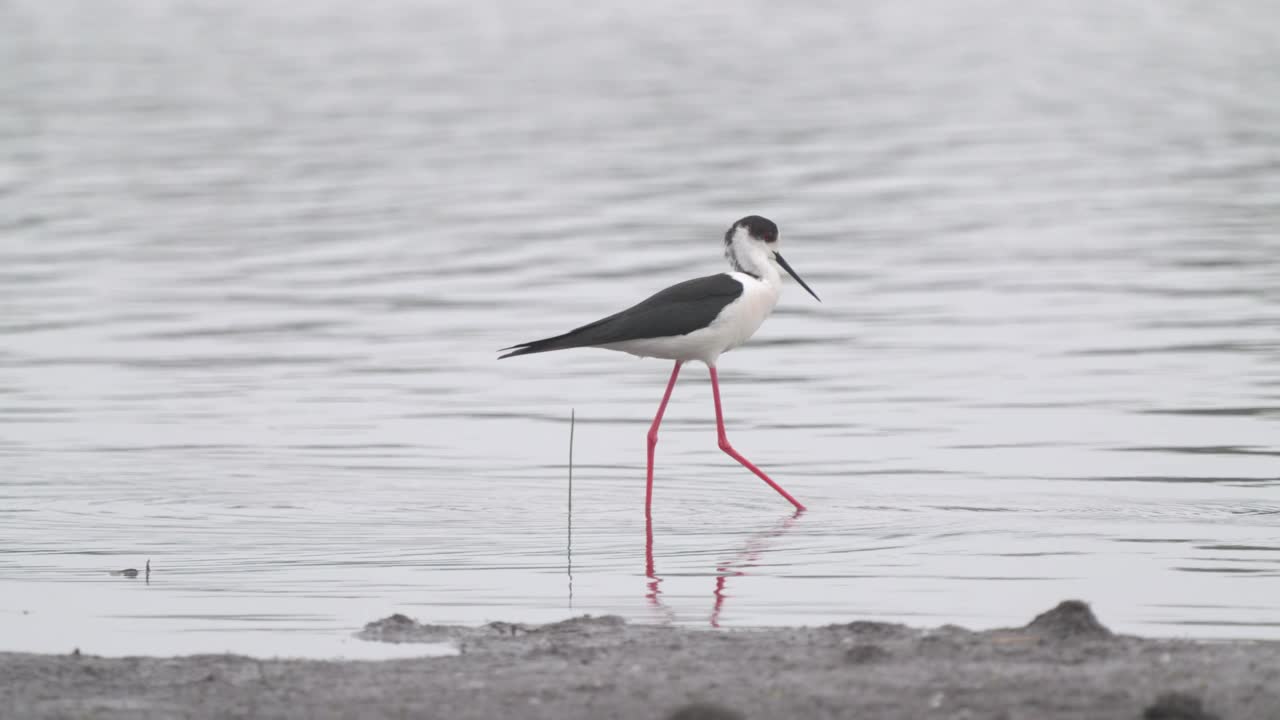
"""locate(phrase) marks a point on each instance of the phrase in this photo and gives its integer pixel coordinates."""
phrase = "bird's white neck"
(748, 255)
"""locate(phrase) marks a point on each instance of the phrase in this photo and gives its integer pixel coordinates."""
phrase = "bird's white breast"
(741, 318)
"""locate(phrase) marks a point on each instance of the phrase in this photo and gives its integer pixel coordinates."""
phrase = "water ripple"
(251, 296)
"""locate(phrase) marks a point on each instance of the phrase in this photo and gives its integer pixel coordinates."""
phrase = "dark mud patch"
(705, 711)
(1178, 706)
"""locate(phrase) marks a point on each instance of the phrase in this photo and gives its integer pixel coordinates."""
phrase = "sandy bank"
(1062, 665)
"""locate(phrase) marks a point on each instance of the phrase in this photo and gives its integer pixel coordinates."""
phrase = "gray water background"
(255, 259)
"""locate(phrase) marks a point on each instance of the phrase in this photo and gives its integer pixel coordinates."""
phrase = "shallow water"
(255, 261)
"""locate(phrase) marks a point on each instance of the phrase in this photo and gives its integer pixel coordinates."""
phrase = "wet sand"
(1064, 664)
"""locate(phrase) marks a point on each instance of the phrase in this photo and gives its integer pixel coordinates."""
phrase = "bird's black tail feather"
(559, 342)
(596, 334)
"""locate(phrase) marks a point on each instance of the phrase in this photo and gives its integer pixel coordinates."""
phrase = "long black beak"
(793, 274)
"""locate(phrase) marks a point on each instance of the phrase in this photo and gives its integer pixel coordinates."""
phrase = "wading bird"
(697, 319)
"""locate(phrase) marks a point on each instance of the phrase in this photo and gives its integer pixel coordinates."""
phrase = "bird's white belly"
(735, 324)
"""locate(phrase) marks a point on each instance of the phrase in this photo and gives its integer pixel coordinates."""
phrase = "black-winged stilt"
(697, 319)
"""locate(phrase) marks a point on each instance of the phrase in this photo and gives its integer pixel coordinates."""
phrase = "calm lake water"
(256, 259)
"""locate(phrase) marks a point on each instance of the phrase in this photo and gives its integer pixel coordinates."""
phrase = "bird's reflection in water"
(751, 550)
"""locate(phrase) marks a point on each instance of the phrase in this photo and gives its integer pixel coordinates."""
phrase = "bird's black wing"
(677, 310)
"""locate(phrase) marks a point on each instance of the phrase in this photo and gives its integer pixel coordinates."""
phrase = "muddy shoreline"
(1064, 664)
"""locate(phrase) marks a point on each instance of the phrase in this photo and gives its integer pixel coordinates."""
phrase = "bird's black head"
(751, 246)
(759, 227)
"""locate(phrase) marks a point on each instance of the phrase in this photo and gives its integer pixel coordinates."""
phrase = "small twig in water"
(569, 545)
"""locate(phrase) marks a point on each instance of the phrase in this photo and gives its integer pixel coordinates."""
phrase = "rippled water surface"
(256, 258)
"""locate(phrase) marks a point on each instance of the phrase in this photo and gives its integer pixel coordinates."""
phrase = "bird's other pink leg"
(653, 437)
(725, 446)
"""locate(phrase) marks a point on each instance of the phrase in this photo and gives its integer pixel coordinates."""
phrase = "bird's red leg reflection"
(751, 551)
(745, 558)
(651, 573)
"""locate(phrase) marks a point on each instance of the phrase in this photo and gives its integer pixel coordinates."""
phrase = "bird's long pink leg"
(653, 437)
(725, 446)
